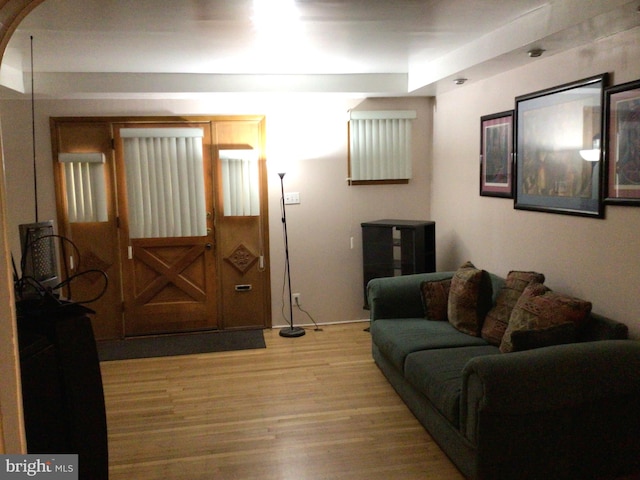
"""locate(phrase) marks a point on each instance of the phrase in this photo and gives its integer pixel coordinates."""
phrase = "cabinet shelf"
(397, 247)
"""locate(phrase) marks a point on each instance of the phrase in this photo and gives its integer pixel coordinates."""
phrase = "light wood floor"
(308, 408)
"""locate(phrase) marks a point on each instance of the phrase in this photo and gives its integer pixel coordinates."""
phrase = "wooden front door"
(212, 274)
(167, 237)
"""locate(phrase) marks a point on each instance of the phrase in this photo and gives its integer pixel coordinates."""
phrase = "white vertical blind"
(380, 145)
(165, 182)
(240, 182)
(85, 186)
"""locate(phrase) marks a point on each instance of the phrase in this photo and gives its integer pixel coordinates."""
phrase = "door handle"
(208, 246)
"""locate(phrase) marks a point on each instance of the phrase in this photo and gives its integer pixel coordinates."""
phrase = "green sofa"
(566, 411)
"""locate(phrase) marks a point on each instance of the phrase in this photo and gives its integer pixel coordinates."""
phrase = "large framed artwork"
(622, 143)
(496, 155)
(558, 155)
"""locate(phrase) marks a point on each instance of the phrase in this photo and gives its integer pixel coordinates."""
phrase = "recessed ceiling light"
(460, 81)
(536, 52)
(278, 14)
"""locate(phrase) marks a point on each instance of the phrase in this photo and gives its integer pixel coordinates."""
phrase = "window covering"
(240, 182)
(380, 145)
(165, 182)
(85, 186)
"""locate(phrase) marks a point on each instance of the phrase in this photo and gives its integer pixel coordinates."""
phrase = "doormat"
(183, 344)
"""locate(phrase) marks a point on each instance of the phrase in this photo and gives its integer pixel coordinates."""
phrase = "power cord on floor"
(317, 329)
(297, 302)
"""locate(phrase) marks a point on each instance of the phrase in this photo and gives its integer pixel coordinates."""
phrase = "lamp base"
(292, 332)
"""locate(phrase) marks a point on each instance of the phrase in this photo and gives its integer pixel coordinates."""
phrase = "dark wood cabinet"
(397, 247)
(62, 393)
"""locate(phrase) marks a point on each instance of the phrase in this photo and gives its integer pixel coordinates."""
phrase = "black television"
(38, 263)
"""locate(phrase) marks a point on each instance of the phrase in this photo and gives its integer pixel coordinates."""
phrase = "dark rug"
(183, 344)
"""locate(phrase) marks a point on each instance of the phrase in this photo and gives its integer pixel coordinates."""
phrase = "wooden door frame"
(12, 435)
(259, 121)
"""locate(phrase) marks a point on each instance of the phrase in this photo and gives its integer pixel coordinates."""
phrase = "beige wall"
(598, 260)
(310, 133)
(595, 259)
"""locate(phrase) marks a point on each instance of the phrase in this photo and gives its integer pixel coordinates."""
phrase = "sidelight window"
(85, 186)
(240, 182)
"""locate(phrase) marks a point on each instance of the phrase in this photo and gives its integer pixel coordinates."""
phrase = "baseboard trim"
(310, 325)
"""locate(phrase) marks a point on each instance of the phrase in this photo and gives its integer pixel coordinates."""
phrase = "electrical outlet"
(295, 298)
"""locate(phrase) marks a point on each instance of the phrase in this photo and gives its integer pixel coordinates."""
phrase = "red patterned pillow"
(497, 319)
(539, 308)
(435, 296)
(469, 299)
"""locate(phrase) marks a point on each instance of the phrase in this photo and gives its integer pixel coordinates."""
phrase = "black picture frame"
(557, 129)
(622, 144)
(496, 155)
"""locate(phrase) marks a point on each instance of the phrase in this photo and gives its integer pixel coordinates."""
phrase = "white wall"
(310, 133)
(598, 260)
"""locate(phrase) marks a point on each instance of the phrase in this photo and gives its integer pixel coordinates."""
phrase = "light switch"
(292, 198)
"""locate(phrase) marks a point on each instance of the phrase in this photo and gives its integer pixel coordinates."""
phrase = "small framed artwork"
(558, 156)
(496, 155)
(622, 143)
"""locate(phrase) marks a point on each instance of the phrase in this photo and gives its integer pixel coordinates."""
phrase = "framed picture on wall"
(622, 143)
(558, 155)
(496, 155)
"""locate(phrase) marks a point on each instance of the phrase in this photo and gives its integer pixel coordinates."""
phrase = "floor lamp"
(291, 331)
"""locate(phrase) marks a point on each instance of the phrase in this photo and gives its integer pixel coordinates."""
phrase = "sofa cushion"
(469, 299)
(497, 319)
(396, 338)
(539, 308)
(437, 374)
(435, 298)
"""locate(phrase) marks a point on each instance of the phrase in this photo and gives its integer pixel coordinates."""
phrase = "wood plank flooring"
(308, 408)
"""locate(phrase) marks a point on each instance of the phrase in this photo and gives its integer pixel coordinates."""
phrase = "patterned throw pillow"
(435, 296)
(539, 308)
(497, 319)
(469, 299)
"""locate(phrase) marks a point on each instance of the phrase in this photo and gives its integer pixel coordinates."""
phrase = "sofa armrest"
(570, 376)
(599, 327)
(399, 297)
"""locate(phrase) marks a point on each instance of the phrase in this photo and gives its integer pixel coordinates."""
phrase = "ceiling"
(180, 48)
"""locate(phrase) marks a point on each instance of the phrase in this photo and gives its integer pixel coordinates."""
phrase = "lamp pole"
(291, 331)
